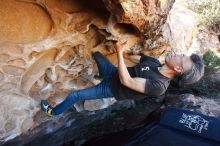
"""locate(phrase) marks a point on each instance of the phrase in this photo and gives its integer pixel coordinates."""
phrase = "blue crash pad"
(179, 127)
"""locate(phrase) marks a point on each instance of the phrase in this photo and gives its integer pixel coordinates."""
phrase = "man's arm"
(137, 84)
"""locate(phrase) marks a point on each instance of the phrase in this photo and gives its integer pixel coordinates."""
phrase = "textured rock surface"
(45, 48)
(143, 14)
(120, 116)
(183, 33)
(18, 25)
(44, 52)
(202, 105)
(80, 127)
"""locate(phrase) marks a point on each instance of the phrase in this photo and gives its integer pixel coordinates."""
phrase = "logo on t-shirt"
(145, 68)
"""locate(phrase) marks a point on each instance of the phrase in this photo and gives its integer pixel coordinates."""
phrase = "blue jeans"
(102, 90)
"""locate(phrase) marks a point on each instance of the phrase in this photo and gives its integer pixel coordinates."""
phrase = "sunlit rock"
(46, 45)
(18, 25)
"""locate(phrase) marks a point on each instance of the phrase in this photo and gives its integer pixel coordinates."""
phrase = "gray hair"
(196, 73)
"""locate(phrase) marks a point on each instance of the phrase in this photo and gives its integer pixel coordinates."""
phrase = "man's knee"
(97, 55)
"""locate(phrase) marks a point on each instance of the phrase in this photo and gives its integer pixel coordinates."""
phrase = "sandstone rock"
(184, 34)
(29, 62)
(17, 62)
(15, 108)
(1, 76)
(4, 57)
(140, 13)
(13, 70)
(27, 124)
(131, 12)
(65, 5)
(37, 69)
(18, 25)
(180, 27)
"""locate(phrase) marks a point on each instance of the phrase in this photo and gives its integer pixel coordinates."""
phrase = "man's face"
(178, 62)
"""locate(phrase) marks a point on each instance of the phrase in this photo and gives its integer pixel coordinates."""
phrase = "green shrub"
(211, 60)
(208, 11)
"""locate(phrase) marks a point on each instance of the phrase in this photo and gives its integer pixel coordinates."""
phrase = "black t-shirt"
(147, 68)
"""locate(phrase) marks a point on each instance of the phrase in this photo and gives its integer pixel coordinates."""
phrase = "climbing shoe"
(46, 107)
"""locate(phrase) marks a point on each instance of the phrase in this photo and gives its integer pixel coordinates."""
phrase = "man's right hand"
(119, 47)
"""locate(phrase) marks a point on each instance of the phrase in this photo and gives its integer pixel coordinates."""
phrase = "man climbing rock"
(147, 78)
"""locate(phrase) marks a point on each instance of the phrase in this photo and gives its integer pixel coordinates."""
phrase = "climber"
(147, 78)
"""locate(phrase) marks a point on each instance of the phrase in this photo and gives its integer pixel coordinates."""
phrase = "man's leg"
(102, 90)
(106, 68)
